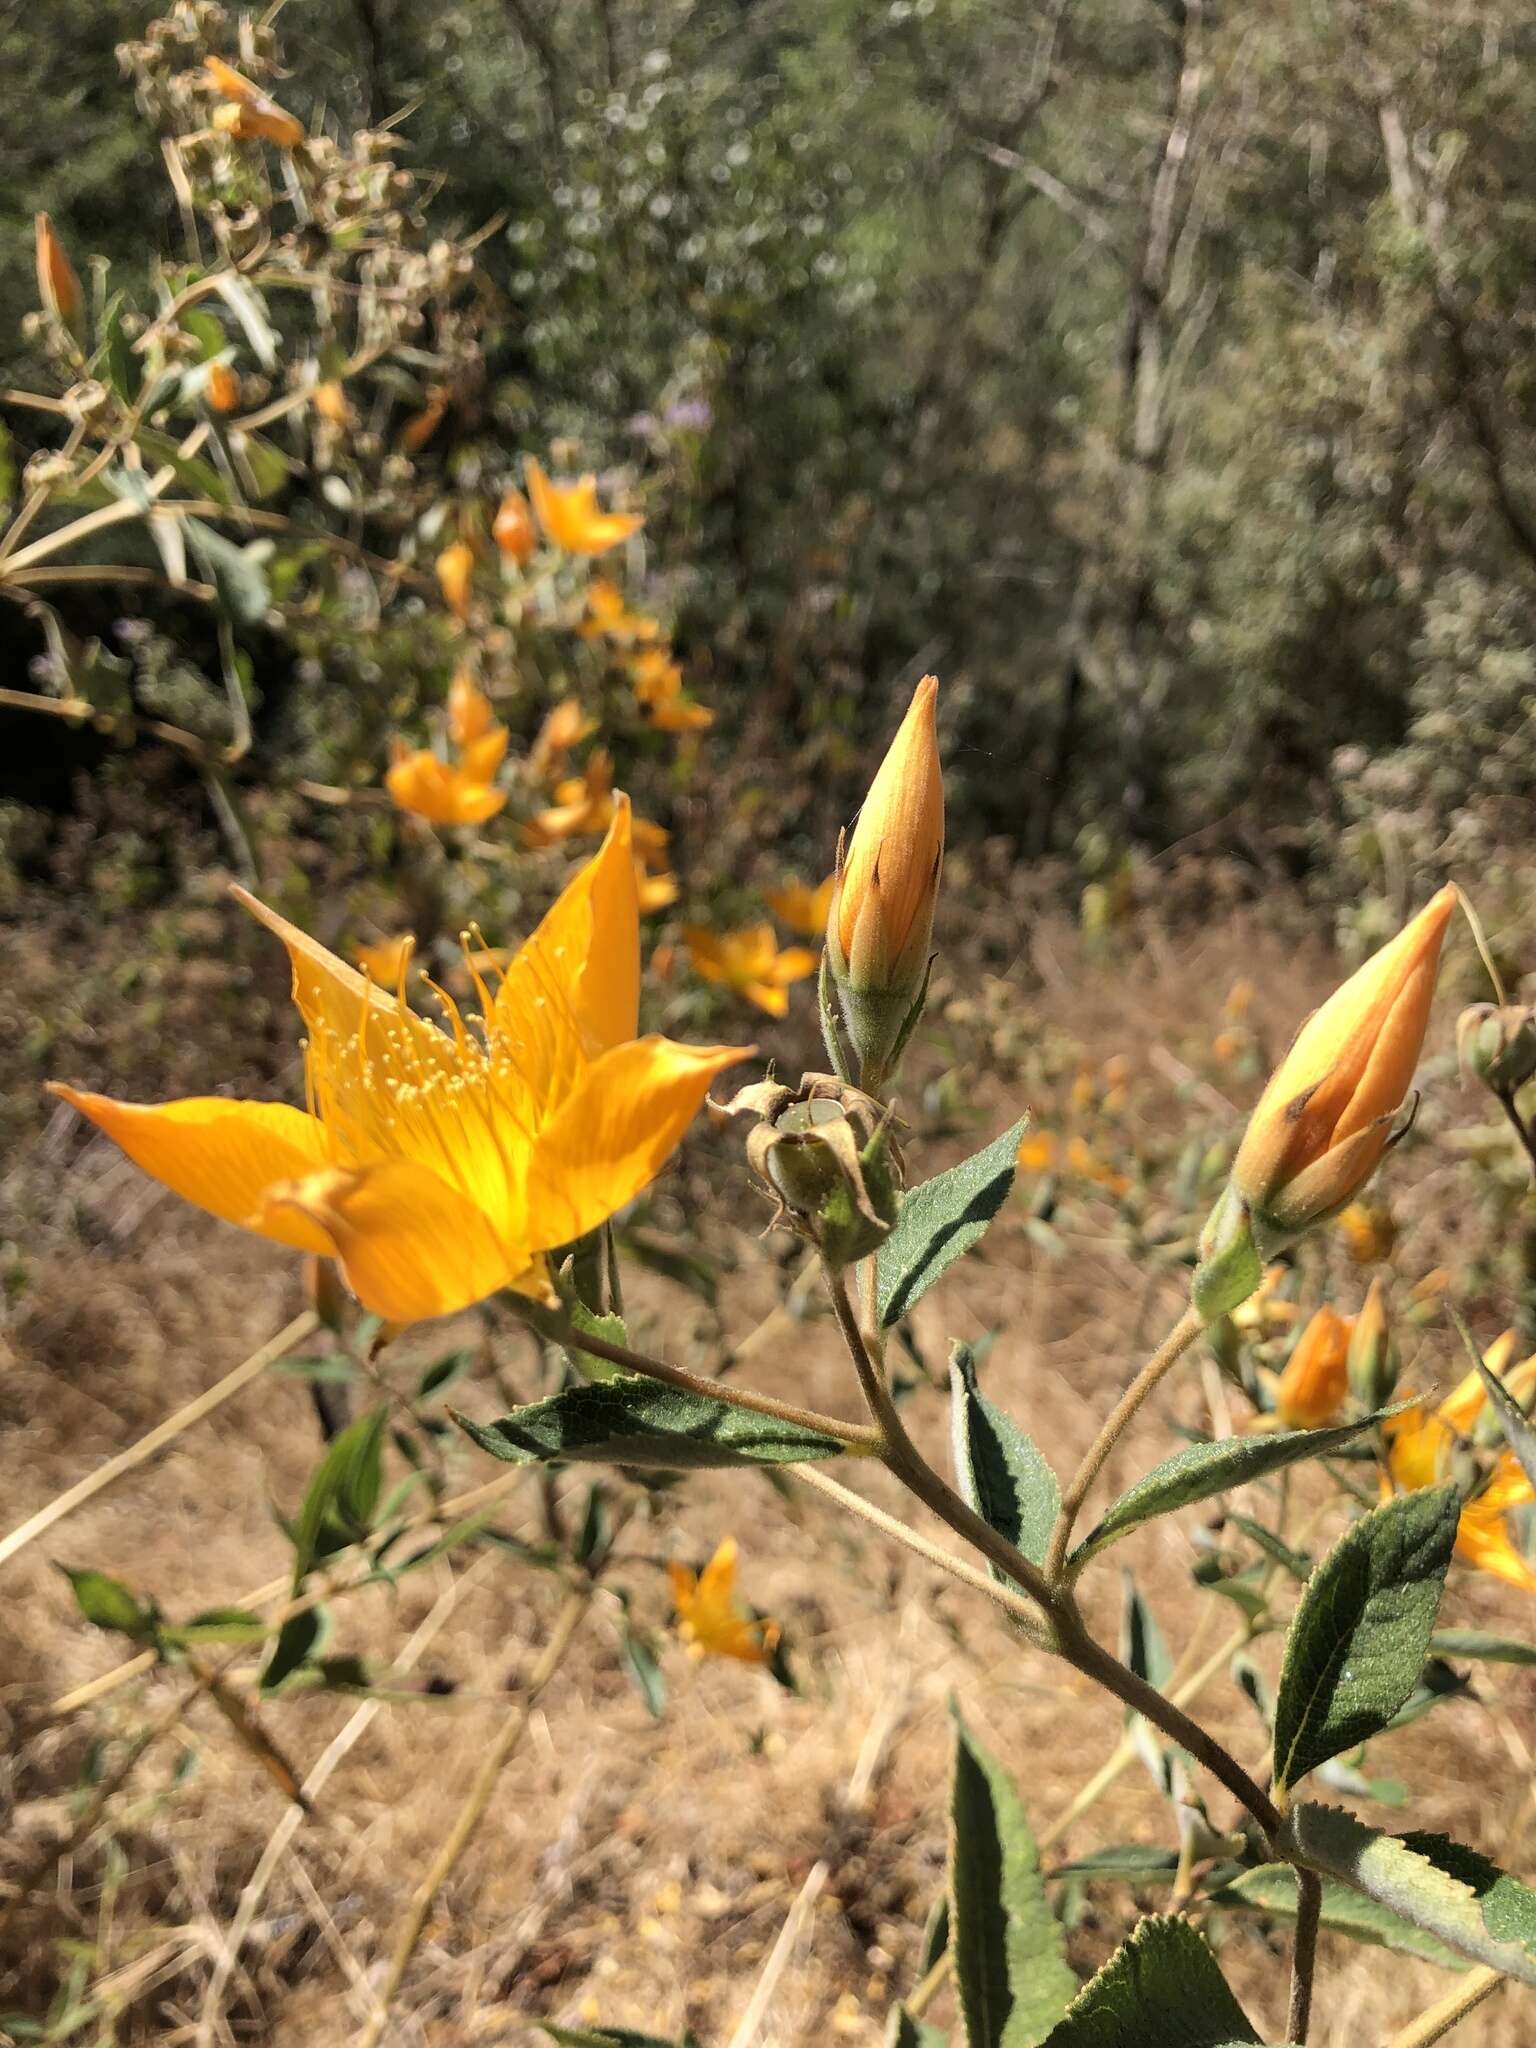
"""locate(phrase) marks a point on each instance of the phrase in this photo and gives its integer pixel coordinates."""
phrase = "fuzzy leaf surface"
(939, 1222)
(641, 1423)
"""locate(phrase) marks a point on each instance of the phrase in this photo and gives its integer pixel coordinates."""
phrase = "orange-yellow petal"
(221, 1154)
(615, 1132)
(410, 1245)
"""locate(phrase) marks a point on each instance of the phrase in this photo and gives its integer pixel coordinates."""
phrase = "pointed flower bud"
(57, 285)
(880, 922)
(1315, 1380)
(1374, 1363)
(1325, 1118)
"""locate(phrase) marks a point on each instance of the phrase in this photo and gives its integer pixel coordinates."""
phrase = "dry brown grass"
(631, 1871)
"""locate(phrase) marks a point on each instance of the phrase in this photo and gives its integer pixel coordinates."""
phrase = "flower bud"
(57, 285)
(470, 716)
(1325, 1119)
(223, 388)
(514, 531)
(1497, 1045)
(880, 922)
(455, 572)
(1313, 1384)
(1374, 1363)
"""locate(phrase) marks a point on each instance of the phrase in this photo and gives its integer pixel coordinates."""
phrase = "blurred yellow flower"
(1325, 1117)
(1082, 1160)
(223, 388)
(709, 1620)
(1239, 1000)
(1421, 1451)
(1037, 1152)
(1264, 1309)
(584, 803)
(570, 516)
(801, 907)
(57, 285)
(386, 962)
(1368, 1230)
(441, 1168)
(658, 683)
(609, 616)
(455, 572)
(1315, 1380)
(331, 403)
(251, 115)
(470, 716)
(565, 726)
(422, 782)
(421, 426)
(681, 714)
(513, 529)
(656, 892)
(750, 962)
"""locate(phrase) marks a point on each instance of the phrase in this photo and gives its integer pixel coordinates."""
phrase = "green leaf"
(1202, 1470)
(1161, 1989)
(1360, 1634)
(1135, 1862)
(642, 1423)
(902, 2031)
(443, 1372)
(236, 573)
(299, 1642)
(642, 1665)
(1002, 1473)
(602, 2037)
(935, 1941)
(217, 1625)
(612, 1329)
(1142, 1648)
(107, 1603)
(1449, 1892)
(1011, 1975)
(940, 1221)
(1271, 1889)
(1489, 1649)
(342, 1495)
(252, 316)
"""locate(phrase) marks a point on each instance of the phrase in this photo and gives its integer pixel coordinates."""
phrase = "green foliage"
(1202, 1470)
(1478, 1643)
(1271, 1890)
(1362, 1629)
(940, 1220)
(1449, 1892)
(1163, 1989)
(107, 1603)
(640, 1423)
(1011, 1974)
(1001, 1471)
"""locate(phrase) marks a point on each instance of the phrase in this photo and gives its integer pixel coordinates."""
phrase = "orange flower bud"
(1325, 1118)
(470, 716)
(514, 531)
(57, 285)
(880, 922)
(250, 116)
(455, 569)
(1316, 1375)
(331, 403)
(1373, 1360)
(223, 388)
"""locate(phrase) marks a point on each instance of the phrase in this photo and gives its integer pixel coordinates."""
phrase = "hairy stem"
(1309, 1906)
(1162, 1361)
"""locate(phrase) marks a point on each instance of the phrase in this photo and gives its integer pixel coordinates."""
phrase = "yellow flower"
(513, 530)
(439, 1168)
(331, 403)
(455, 571)
(421, 426)
(880, 920)
(1265, 1309)
(1239, 1000)
(1325, 1118)
(1082, 1160)
(565, 726)
(57, 285)
(1368, 1230)
(656, 892)
(470, 716)
(251, 115)
(709, 1620)
(1421, 1449)
(223, 388)
(386, 962)
(422, 782)
(801, 907)
(584, 803)
(750, 963)
(570, 517)
(609, 616)
(681, 714)
(658, 682)
(1037, 1152)
(1315, 1380)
